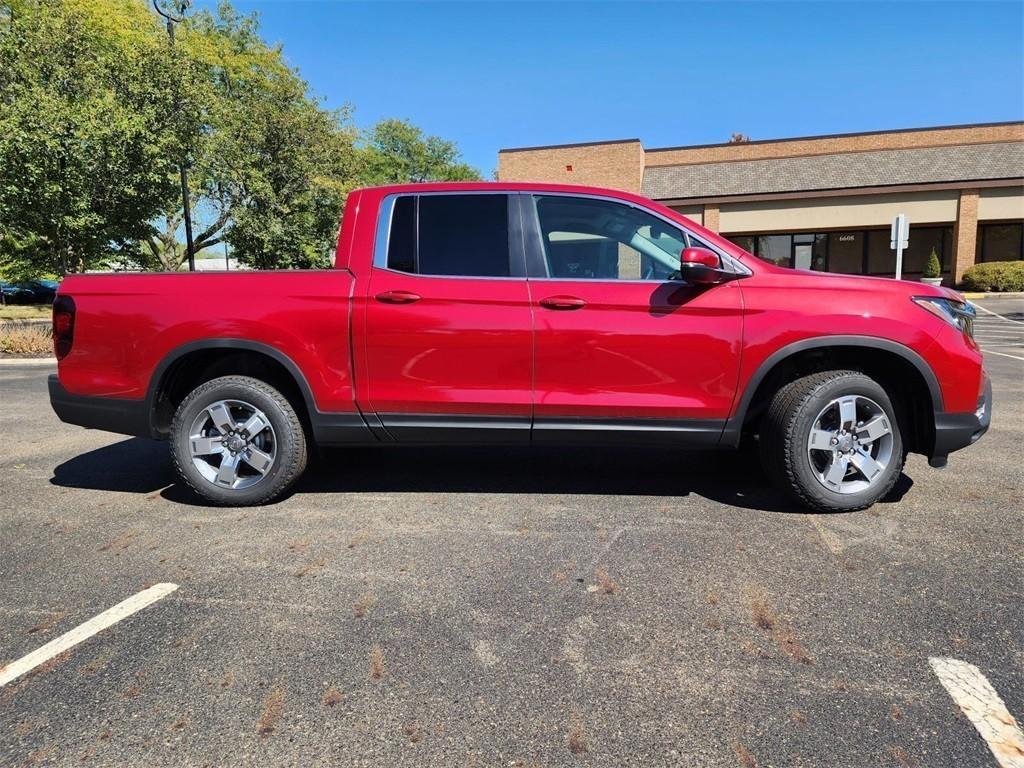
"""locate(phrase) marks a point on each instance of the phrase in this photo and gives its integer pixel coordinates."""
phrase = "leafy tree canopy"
(98, 110)
(87, 125)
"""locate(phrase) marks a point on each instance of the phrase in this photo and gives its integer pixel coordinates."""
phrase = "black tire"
(289, 441)
(786, 428)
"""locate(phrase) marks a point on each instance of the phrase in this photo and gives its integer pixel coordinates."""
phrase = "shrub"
(932, 268)
(25, 339)
(995, 276)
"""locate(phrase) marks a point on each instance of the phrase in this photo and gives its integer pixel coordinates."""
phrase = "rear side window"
(455, 235)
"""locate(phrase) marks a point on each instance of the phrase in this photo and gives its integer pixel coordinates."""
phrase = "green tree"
(397, 152)
(97, 110)
(87, 128)
(268, 168)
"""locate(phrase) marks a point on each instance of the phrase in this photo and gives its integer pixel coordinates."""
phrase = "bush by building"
(995, 276)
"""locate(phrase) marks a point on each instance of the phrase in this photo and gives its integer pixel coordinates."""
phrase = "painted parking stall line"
(977, 699)
(93, 626)
(998, 335)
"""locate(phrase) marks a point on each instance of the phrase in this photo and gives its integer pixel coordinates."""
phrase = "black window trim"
(517, 259)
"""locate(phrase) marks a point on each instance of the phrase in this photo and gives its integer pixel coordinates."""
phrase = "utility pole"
(183, 162)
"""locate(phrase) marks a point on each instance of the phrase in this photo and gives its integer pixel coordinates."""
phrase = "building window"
(924, 240)
(746, 242)
(1000, 242)
(846, 252)
(881, 260)
(775, 248)
(854, 253)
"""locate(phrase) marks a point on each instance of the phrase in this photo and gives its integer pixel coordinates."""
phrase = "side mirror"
(700, 266)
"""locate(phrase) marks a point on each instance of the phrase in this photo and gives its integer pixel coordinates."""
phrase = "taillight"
(63, 326)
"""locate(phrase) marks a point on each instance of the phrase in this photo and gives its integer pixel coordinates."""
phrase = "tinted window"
(450, 235)
(463, 235)
(846, 252)
(778, 249)
(592, 239)
(1000, 242)
(402, 242)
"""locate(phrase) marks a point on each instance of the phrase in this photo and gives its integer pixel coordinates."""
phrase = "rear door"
(625, 350)
(448, 327)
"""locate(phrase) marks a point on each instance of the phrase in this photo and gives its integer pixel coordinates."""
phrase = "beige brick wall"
(710, 217)
(832, 213)
(616, 165)
(865, 142)
(1001, 203)
(965, 233)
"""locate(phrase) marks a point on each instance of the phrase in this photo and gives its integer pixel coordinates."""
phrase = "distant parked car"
(15, 294)
(33, 292)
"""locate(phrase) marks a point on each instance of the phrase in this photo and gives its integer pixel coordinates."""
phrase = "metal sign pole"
(899, 238)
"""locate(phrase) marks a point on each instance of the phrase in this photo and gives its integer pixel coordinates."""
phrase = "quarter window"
(453, 235)
(587, 239)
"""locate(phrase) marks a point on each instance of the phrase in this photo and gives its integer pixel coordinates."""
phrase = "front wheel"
(832, 441)
(237, 441)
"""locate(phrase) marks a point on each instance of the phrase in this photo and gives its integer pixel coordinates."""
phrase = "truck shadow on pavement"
(728, 477)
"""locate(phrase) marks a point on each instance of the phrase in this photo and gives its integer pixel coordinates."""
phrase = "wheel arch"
(189, 365)
(898, 368)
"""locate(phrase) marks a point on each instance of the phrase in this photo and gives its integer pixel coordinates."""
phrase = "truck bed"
(127, 324)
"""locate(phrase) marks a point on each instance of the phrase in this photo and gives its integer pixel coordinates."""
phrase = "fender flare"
(734, 425)
(229, 344)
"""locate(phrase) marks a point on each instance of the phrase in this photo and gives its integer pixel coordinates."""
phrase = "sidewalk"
(1004, 295)
(12, 360)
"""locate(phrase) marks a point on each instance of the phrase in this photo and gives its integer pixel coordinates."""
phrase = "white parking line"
(994, 314)
(84, 631)
(977, 699)
(1001, 354)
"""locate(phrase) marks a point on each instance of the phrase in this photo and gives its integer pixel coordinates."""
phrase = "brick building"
(824, 202)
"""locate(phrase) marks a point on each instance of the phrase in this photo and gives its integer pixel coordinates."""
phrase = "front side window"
(588, 239)
(452, 235)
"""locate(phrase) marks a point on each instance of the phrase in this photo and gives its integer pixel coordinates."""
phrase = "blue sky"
(491, 74)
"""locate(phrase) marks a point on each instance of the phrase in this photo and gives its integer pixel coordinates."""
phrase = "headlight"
(957, 313)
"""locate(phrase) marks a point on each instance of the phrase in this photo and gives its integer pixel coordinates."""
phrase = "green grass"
(25, 312)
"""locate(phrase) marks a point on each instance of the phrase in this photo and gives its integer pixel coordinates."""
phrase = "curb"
(976, 295)
(27, 361)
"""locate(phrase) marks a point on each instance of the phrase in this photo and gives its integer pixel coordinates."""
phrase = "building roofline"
(783, 140)
(569, 146)
(839, 135)
(807, 194)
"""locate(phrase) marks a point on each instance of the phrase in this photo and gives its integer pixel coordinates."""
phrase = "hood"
(868, 283)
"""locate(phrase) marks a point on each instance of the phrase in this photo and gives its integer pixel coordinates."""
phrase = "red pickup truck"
(518, 313)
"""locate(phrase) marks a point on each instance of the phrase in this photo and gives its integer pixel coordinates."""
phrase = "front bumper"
(954, 431)
(112, 414)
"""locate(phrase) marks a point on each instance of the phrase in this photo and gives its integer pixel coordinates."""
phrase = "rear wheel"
(237, 441)
(832, 441)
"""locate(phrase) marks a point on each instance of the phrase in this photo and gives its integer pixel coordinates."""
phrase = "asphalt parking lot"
(505, 607)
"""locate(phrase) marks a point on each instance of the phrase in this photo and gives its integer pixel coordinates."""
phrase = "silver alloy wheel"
(232, 444)
(850, 444)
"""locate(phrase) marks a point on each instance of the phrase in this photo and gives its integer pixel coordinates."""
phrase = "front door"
(448, 326)
(624, 348)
